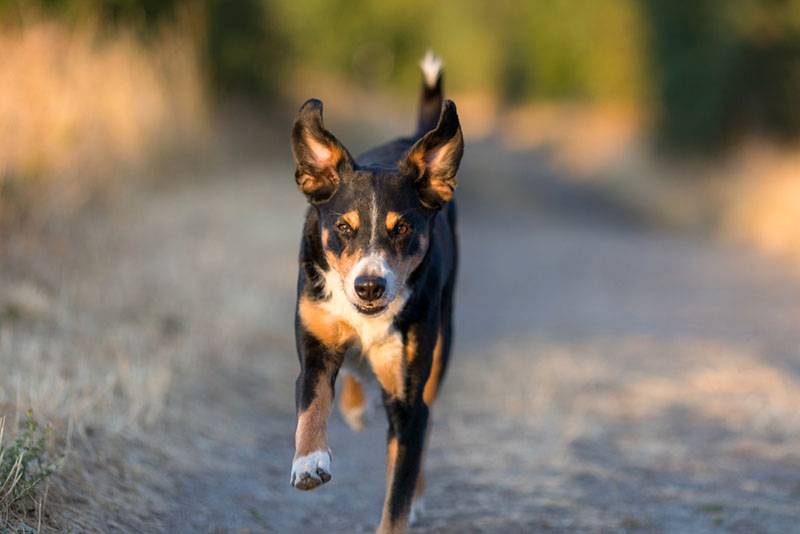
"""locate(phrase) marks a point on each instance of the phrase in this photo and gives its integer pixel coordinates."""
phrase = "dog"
(378, 260)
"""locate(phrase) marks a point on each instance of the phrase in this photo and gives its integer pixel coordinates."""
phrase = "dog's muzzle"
(371, 285)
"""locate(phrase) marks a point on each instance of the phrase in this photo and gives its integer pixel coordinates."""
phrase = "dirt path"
(604, 379)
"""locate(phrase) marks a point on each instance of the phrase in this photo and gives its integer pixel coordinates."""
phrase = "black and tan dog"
(375, 289)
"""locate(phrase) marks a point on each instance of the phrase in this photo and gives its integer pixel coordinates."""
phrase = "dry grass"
(78, 106)
(764, 203)
(583, 137)
(100, 387)
(103, 329)
(752, 194)
(82, 111)
(108, 387)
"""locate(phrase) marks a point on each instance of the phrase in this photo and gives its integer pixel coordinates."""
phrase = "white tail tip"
(431, 66)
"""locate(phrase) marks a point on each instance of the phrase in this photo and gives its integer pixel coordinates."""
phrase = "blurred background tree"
(724, 70)
(708, 71)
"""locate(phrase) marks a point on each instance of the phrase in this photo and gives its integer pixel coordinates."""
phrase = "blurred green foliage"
(518, 50)
(246, 51)
(724, 69)
(147, 13)
(711, 70)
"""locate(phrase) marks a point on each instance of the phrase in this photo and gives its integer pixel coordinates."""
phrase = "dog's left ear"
(434, 159)
(321, 159)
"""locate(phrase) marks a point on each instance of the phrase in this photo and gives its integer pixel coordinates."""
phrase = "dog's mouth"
(370, 310)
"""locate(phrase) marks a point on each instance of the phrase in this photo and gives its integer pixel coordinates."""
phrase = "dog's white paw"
(417, 509)
(311, 470)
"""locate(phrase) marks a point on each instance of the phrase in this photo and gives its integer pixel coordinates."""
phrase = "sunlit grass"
(764, 200)
(78, 107)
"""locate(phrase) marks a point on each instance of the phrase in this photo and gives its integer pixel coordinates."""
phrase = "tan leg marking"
(432, 384)
(420, 488)
(411, 345)
(352, 402)
(329, 330)
(391, 460)
(312, 428)
(386, 360)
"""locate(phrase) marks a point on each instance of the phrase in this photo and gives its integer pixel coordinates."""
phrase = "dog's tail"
(430, 102)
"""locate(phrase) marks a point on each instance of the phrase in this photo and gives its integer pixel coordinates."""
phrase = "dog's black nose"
(370, 288)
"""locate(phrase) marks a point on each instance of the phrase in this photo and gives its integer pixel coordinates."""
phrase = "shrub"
(24, 465)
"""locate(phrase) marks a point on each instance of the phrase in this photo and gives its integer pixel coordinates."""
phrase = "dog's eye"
(345, 229)
(401, 229)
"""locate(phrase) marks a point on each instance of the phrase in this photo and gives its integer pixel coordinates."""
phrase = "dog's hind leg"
(353, 402)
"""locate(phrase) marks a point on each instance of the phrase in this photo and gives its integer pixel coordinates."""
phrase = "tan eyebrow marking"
(391, 219)
(351, 218)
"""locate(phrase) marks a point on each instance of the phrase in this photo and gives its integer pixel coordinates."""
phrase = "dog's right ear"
(320, 157)
(433, 160)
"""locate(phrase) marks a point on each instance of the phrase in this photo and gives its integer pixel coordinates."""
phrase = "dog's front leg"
(408, 423)
(319, 363)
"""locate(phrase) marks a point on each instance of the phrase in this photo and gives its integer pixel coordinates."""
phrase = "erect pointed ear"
(434, 159)
(321, 159)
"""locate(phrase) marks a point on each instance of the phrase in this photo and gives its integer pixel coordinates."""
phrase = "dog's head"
(375, 222)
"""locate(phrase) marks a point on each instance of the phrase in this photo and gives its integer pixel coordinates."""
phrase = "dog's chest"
(379, 341)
